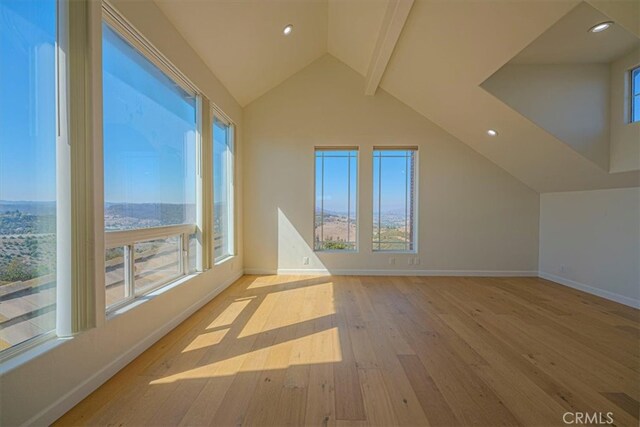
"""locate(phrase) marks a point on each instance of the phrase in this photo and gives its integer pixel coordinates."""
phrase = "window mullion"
(129, 271)
(204, 190)
(406, 200)
(76, 209)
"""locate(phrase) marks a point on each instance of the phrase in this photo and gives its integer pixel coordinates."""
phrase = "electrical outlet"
(563, 269)
(416, 261)
(410, 261)
(392, 261)
(305, 260)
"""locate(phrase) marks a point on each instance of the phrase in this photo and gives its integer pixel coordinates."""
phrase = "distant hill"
(166, 212)
(28, 207)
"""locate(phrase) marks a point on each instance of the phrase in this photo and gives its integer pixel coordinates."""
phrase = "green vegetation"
(329, 245)
(390, 238)
(18, 222)
(17, 270)
(27, 246)
(332, 245)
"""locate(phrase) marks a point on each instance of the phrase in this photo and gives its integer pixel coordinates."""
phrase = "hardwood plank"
(360, 351)
(433, 403)
(376, 399)
(625, 402)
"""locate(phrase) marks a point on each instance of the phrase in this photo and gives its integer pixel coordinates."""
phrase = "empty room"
(319, 213)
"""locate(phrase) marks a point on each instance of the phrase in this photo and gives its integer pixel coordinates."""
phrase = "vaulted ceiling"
(433, 55)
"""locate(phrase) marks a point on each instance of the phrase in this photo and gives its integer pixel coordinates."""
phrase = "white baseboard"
(57, 409)
(631, 302)
(348, 272)
(259, 271)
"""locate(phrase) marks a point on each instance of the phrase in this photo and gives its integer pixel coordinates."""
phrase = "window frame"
(81, 293)
(356, 248)
(217, 115)
(77, 240)
(632, 95)
(414, 198)
(123, 28)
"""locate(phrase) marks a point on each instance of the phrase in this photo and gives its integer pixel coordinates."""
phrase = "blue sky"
(149, 123)
(336, 191)
(27, 104)
(149, 129)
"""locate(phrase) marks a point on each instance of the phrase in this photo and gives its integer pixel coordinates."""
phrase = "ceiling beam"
(392, 25)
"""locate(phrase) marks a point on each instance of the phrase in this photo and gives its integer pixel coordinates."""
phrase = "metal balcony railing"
(151, 258)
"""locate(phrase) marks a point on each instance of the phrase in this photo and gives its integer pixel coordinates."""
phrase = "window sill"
(395, 252)
(29, 350)
(335, 251)
(223, 260)
(139, 300)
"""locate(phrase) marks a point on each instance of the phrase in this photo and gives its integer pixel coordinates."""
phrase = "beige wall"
(62, 372)
(570, 101)
(625, 136)
(473, 216)
(591, 240)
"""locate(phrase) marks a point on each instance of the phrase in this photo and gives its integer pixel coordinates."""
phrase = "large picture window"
(394, 204)
(28, 171)
(149, 171)
(336, 222)
(222, 189)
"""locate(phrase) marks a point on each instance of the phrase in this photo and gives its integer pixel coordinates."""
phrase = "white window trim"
(216, 114)
(144, 47)
(76, 246)
(356, 248)
(128, 31)
(416, 192)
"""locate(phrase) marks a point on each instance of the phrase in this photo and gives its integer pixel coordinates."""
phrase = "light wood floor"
(355, 351)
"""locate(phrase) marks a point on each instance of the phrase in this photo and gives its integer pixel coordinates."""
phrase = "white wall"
(625, 136)
(570, 101)
(591, 240)
(66, 370)
(473, 216)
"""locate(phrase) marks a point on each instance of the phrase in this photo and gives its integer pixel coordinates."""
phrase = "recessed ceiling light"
(492, 132)
(287, 30)
(598, 28)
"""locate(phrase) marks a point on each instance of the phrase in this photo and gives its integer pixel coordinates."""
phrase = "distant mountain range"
(166, 211)
(388, 212)
(28, 207)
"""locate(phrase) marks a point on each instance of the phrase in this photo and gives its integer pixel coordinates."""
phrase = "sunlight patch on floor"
(230, 314)
(206, 339)
(267, 281)
(316, 348)
(291, 300)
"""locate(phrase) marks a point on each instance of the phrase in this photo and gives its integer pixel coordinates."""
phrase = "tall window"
(394, 205)
(336, 199)
(635, 95)
(27, 170)
(222, 189)
(149, 172)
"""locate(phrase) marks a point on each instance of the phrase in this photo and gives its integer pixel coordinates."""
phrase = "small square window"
(635, 95)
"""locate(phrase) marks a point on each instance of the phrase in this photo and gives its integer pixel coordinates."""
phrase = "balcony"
(137, 262)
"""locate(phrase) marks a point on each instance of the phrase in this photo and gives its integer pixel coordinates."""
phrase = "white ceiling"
(568, 41)
(353, 30)
(446, 50)
(242, 41)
